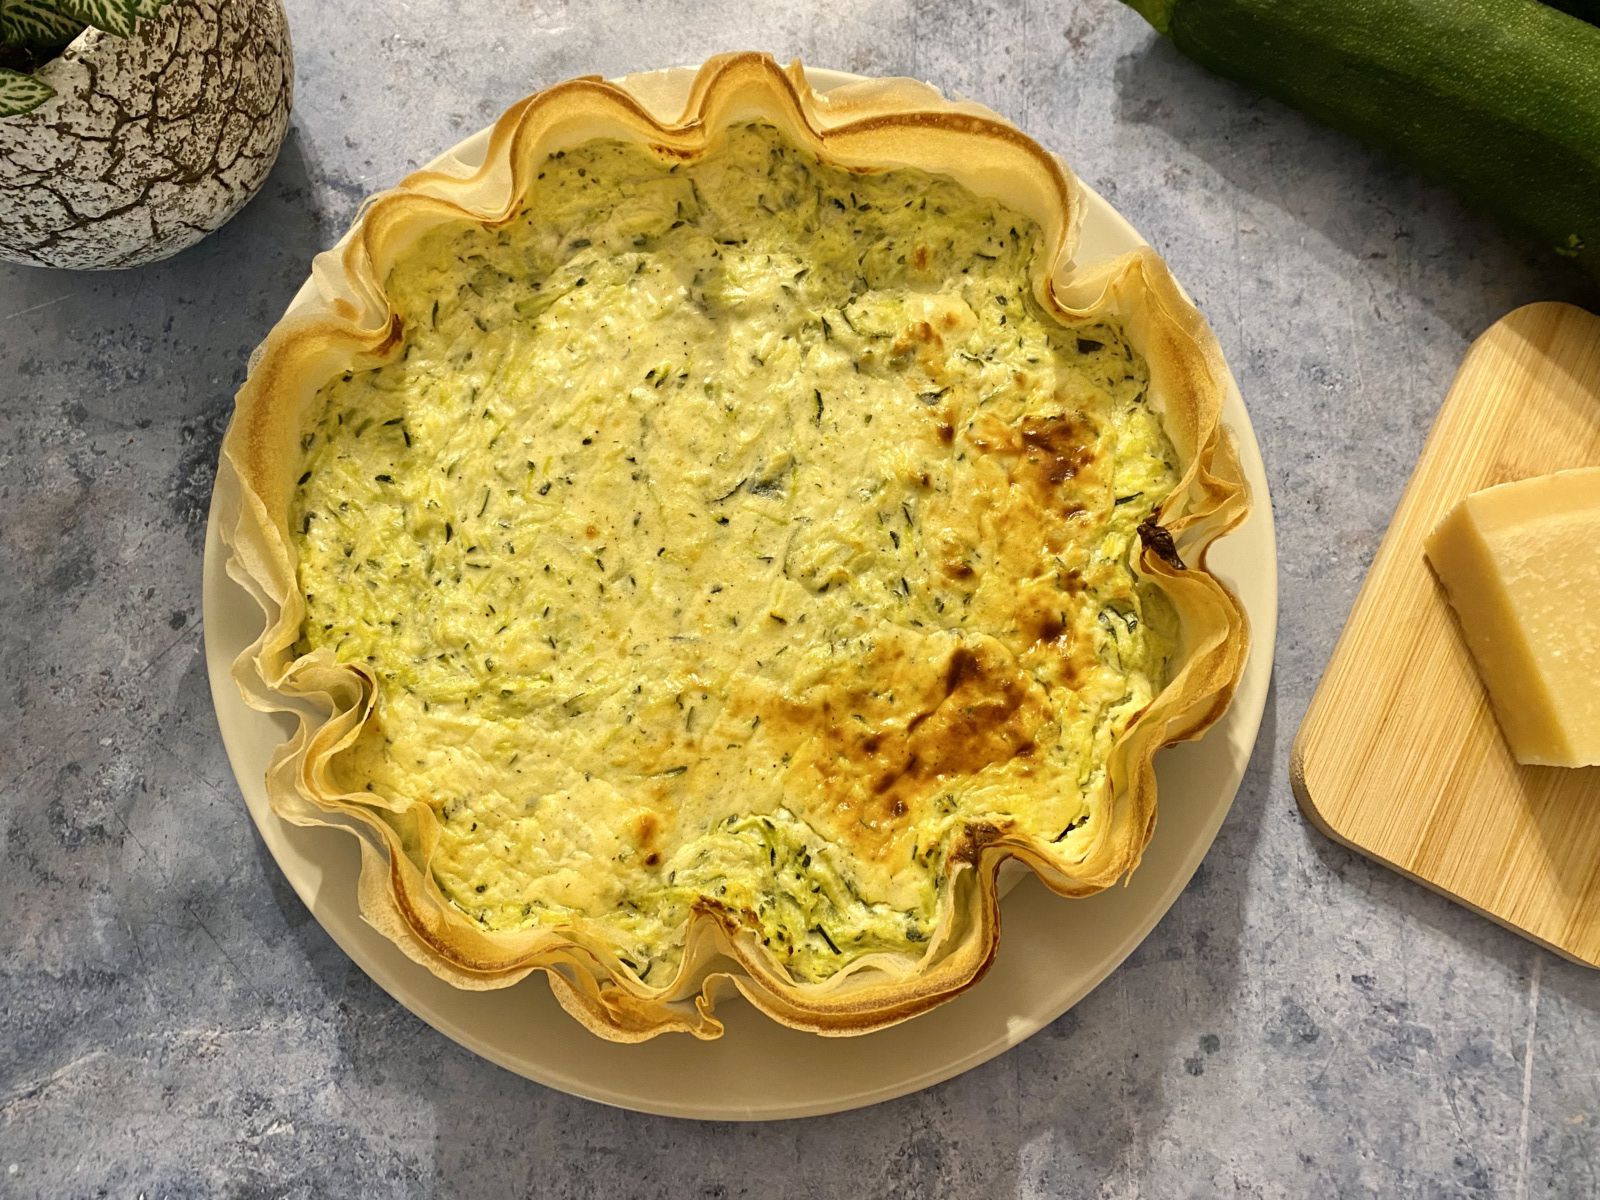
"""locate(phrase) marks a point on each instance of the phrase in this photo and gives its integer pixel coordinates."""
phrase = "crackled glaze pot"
(150, 142)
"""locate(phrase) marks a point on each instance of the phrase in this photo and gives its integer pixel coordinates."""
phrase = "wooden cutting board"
(1399, 756)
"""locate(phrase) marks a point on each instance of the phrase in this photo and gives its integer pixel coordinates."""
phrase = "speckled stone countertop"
(1303, 1022)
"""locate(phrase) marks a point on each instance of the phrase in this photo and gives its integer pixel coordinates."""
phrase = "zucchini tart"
(703, 546)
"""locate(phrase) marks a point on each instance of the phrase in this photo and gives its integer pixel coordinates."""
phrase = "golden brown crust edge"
(874, 123)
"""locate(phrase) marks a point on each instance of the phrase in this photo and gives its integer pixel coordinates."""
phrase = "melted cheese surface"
(734, 532)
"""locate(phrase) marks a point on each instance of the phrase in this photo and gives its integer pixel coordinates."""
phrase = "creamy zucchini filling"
(733, 535)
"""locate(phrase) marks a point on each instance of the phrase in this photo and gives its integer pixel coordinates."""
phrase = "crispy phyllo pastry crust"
(704, 542)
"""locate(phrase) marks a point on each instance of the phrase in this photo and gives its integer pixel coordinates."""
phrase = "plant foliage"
(32, 31)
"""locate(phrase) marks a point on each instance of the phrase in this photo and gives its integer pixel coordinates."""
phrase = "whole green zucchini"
(1498, 98)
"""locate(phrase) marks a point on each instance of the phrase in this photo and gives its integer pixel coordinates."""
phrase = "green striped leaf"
(21, 93)
(114, 16)
(149, 8)
(36, 23)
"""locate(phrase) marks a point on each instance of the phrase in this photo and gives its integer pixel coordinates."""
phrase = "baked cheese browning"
(734, 534)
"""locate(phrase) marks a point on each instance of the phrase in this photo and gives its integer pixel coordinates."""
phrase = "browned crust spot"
(975, 839)
(1159, 542)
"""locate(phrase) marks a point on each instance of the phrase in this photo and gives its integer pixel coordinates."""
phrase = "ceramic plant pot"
(151, 141)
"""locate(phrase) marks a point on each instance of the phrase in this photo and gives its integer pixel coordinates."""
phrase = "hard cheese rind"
(1521, 567)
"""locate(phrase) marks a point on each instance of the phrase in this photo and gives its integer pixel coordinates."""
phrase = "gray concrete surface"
(1303, 1023)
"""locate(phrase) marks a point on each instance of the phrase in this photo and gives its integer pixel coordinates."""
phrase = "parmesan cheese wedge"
(1520, 564)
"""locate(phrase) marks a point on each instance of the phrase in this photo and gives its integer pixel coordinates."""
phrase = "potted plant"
(129, 129)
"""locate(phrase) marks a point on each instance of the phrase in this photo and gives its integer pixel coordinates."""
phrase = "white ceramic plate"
(1052, 952)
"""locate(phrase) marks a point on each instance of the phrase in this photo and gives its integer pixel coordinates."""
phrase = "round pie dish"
(1211, 504)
